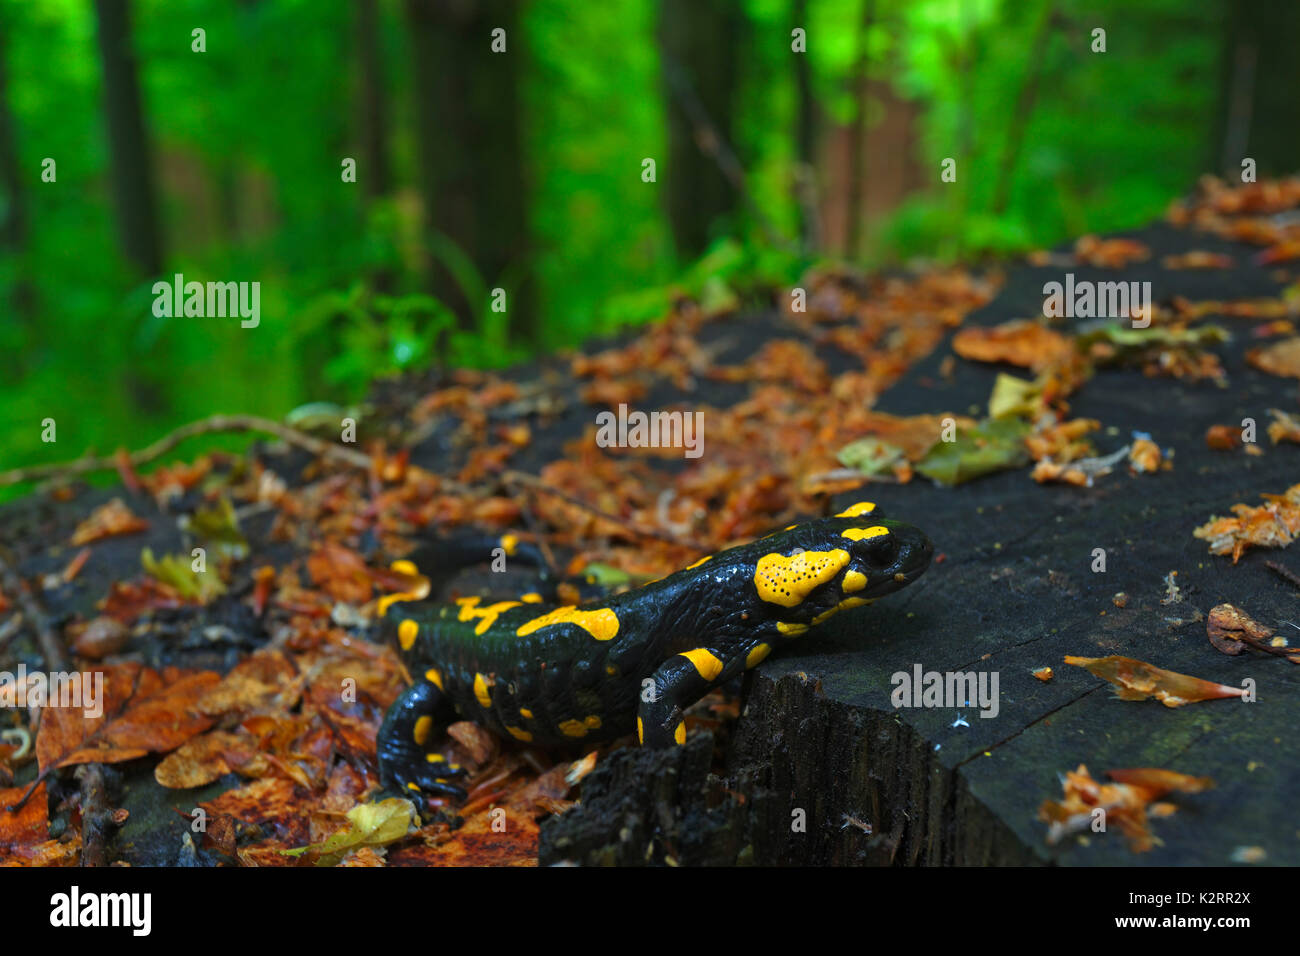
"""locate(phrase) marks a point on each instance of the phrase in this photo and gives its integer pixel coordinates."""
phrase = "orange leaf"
(1021, 342)
(143, 712)
(107, 520)
(1138, 680)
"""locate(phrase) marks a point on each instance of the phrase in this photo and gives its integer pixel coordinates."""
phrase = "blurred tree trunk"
(805, 138)
(374, 124)
(13, 230)
(858, 142)
(132, 166)
(1024, 106)
(469, 137)
(1258, 113)
(699, 42)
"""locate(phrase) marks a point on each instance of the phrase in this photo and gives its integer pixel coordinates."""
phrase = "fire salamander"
(553, 675)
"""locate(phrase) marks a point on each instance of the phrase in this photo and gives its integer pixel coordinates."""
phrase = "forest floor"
(234, 673)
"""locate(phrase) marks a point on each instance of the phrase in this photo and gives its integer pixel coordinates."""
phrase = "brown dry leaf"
(200, 761)
(1222, 437)
(1271, 525)
(265, 679)
(98, 638)
(1109, 253)
(340, 572)
(1227, 624)
(498, 836)
(267, 801)
(479, 745)
(1281, 358)
(1125, 803)
(1198, 259)
(1138, 680)
(1284, 427)
(1157, 782)
(21, 831)
(1022, 342)
(143, 712)
(1145, 457)
(112, 518)
(127, 600)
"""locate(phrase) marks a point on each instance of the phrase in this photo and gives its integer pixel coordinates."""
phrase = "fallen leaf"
(1021, 342)
(1271, 525)
(1138, 680)
(1281, 358)
(144, 711)
(1122, 805)
(369, 825)
(109, 519)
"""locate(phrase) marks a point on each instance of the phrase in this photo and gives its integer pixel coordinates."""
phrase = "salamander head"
(809, 572)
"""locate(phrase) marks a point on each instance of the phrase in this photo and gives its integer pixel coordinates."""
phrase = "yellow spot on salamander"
(791, 628)
(788, 580)
(706, 664)
(519, 734)
(757, 655)
(423, 727)
(842, 606)
(532, 597)
(482, 690)
(413, 786)
(434, 677)
(707, 557)
(419, 593)
(640, 731)
(406, 634)
(611, 670)
(679, 734)
(434, 758)
(573, 728)
(860, 534)
(509, 543)
(525, 713)
(854, 581)
(601, 624)
(592, 721)
(486, 616)
(858, 510)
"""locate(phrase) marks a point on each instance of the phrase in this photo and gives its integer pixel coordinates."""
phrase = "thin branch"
(215, 423)
(1283, 572)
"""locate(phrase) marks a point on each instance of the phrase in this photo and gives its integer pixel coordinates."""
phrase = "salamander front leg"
(679, 682)
(406, 765)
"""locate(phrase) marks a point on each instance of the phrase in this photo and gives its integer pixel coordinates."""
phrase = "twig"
(55, 657)
(531, 481)
(96, 815)
(214, 423)
(1283, 572)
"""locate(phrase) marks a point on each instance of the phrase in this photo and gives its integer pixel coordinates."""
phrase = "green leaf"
(992, 445)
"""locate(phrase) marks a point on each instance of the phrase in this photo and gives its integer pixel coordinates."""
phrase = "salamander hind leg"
(406, 764)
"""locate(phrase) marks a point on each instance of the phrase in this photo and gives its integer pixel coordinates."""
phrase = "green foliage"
(248, 137)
